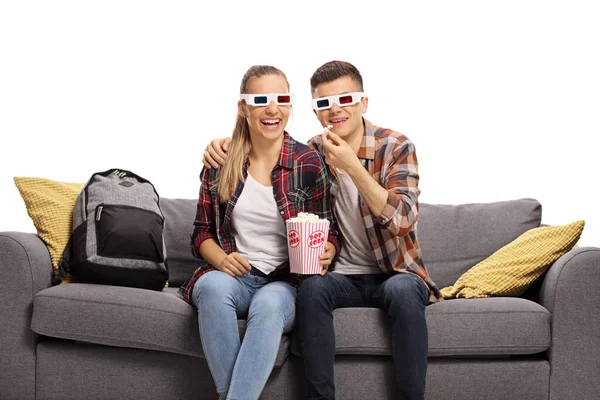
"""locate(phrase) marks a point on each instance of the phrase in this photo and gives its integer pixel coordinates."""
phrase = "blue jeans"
(240, 369)
(403, 296)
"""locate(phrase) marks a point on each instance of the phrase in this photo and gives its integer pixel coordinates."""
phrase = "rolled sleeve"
(204, 223)
(401, 181)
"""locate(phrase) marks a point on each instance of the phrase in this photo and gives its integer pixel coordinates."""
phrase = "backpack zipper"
(98, 212)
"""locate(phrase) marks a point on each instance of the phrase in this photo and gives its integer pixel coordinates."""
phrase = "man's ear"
(316, 114)
(242, 109)
(364, 104)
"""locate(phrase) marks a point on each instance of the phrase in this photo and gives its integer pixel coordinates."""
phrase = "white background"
(501, 98)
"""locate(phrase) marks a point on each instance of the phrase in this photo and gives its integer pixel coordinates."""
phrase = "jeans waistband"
(257, 272)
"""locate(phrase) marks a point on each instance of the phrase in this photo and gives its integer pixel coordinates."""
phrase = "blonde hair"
(231, 171)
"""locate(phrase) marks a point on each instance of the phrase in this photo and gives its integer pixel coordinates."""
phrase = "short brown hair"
(333, 70)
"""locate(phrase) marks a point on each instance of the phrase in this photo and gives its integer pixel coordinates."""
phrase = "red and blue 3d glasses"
(264, 99)
(342, 100)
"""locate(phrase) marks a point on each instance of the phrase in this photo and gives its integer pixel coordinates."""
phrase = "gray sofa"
(79, 341)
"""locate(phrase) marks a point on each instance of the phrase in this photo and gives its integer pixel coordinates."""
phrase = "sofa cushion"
(498, 326)
(179, 222)
(454, 238)
(123, 317)
(50, 205)
(512, 269)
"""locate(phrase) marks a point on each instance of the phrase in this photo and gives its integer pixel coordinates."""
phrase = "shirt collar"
(286, 156)
(367, 145)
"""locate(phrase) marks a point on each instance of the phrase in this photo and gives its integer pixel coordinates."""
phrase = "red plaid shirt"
(300, 183)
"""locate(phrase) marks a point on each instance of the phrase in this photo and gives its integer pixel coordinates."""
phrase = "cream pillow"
(50, 206)
(513, 268)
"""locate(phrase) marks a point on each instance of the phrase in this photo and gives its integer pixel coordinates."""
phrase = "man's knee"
(314, 288)
(405, 288)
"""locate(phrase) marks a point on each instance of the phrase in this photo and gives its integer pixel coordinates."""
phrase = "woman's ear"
(242, 109)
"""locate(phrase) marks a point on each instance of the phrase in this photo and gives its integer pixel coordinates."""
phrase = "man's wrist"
(355, 168)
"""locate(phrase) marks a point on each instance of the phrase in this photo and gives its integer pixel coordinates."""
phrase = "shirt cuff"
(197, 241)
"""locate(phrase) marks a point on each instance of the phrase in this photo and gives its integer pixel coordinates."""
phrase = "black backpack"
(117, 236)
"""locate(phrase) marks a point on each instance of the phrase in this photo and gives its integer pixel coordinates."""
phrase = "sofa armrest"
(25, 269)
(571, 292)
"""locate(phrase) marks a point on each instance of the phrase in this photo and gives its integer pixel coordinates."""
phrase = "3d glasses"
(264, 99)
(342, 100)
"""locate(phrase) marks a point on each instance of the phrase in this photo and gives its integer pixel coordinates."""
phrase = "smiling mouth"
(337, 120)
(270, 122)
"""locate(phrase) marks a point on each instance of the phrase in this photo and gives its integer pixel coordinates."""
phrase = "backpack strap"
(64, 267)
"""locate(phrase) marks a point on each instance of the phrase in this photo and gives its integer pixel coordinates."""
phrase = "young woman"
(240, 231)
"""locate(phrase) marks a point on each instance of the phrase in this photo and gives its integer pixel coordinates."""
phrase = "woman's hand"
(327, 257)
(234, 265)
(215, 153)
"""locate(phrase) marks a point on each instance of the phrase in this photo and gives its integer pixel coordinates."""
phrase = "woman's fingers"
(242, 262)
(235, 265)
(237, 268)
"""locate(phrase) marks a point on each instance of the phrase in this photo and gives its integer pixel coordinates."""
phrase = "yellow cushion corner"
(50, 205)
(514, 267)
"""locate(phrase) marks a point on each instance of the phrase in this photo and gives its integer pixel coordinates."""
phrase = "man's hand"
(215, 153)
(338, 153)
(234, 265)
(327, 257)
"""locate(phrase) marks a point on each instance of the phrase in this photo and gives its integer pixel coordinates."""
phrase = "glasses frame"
(356, 98)
(250, 99)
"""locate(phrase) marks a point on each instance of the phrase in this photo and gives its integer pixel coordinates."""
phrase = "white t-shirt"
(356, 256)
(258, 229)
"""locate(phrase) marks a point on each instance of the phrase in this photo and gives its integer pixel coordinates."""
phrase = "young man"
(380, 264)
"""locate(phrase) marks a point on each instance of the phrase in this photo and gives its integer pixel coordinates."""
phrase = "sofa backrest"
(179, 219)
(454, 238)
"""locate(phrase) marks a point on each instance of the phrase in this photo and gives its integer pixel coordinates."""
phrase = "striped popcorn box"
(306, 244)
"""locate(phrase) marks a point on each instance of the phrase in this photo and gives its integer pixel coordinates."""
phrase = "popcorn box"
(306, 244)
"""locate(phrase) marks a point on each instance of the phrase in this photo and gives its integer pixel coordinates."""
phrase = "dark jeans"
(403, 296)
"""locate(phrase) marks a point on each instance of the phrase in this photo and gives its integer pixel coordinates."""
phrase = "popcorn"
(307, 237)
(305, 217)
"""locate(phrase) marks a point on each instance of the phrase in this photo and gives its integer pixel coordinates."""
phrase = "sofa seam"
(113, 304)
(64, 335)
(447, 348)
(492, 312)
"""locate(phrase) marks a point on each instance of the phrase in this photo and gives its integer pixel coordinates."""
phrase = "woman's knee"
(213, 285)
(276, 300)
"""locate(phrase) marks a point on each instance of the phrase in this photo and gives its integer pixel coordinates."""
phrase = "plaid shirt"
(300, 183)
(391, 160)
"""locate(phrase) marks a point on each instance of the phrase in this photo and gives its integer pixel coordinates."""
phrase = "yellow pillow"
(513, 268)
(50, 206)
